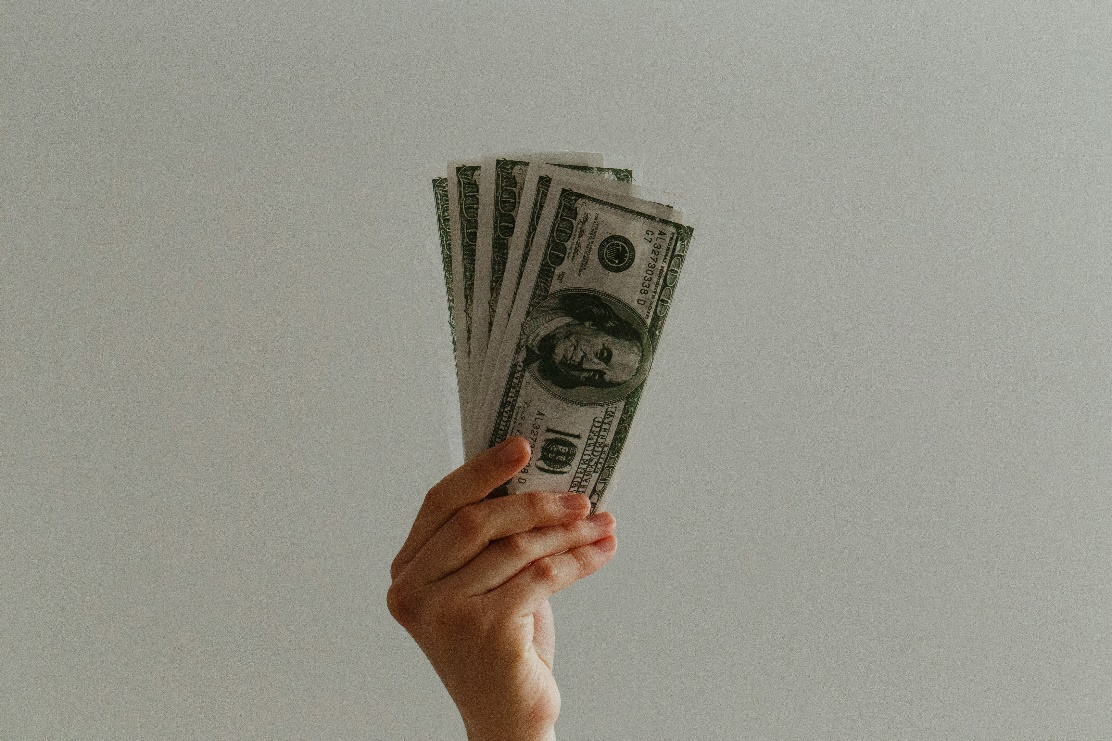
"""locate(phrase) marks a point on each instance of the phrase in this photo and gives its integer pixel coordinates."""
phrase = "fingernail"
(602, 519)
(607, 545)
(571, 502)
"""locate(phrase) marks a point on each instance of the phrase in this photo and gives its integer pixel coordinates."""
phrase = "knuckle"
(584, 559)
(396, 567)
(435, 493)
(546, 571)
(401, 604)
(541, 505)
(469, 523)
(424, 612)
(516, 546)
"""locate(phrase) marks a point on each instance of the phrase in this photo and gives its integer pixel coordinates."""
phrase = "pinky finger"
(544, 577)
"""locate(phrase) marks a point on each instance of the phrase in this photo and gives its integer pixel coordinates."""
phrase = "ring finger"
(504, 558)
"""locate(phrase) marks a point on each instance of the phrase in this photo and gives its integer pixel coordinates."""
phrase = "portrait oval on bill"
(586, 347)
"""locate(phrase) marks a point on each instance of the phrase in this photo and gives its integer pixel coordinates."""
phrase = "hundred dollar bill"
(534, 183)
(500, 196)
(537, 180)
(463, 183)
(463, 213)
(497, 208)
(590, 308)
(440, 202)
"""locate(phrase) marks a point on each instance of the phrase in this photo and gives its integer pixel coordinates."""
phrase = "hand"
(471, 585)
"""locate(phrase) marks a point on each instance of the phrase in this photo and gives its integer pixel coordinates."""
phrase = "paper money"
(498, 199)
(534, 192)
(535, 183)
(463, 214)
(575, 297)
(590, 308)
(443, 229)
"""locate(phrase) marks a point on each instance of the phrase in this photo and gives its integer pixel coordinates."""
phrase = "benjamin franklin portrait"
(584, 344)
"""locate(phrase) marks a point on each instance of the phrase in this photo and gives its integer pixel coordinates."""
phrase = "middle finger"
(504, 558)
(474, 527)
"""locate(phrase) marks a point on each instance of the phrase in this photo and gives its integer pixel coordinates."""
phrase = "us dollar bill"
(443, 230)
(500, 200)
(499, 195)
(463, 212)
(440, 205)
(587, 319)
(534, 191)
(537, 181)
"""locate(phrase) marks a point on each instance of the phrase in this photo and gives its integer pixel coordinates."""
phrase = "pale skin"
(472, 583)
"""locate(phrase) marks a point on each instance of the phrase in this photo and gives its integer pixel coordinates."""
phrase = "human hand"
(471, 585)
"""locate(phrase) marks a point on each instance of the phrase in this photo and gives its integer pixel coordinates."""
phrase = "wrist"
(548, 734)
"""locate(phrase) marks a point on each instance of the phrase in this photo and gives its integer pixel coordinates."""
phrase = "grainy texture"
(870, 500)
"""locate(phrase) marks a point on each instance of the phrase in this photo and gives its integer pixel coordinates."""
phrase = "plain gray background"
(867, 493)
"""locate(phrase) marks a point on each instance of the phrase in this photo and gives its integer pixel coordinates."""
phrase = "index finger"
(468, 484)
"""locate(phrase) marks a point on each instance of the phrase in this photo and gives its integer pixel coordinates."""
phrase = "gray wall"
(867, 495)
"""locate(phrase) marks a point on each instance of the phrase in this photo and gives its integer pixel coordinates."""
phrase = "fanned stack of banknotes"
(559, 277)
